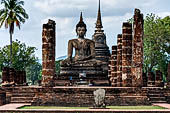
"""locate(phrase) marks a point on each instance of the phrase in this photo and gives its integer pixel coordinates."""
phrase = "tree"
(34, 72)
(23, 56)
(57, 66)
(156, 43)
(12, 13)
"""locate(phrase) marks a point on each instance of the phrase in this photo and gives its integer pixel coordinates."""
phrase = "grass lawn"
(111, 107)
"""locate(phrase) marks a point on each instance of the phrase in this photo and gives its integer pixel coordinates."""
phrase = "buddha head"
(81, 28)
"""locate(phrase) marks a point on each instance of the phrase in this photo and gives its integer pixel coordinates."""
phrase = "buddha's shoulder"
(73, 40)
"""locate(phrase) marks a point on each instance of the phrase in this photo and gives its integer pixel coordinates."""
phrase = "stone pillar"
(159, 78)
(119, 60)
(113, 78)
(48, 53)
(137, 50)
(126, 54)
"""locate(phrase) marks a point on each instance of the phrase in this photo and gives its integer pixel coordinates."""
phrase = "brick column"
(126, 54)
(5, 75)
(12, 75)
(137, 48)
(113, 77)
(119, 60)
(48, 53)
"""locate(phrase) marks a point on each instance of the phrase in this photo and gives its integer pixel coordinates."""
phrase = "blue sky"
(66, 14)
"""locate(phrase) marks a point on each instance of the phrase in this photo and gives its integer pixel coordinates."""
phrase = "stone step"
(156, 91)
(23, 94)
(26, 101)
(158, 102)
(21, 99)
(157, 98)
(155, 95)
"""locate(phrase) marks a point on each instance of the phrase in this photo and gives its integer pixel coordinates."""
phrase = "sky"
(66, 15)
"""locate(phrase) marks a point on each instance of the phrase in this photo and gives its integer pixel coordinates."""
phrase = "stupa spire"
(81, 17)
(99, 20)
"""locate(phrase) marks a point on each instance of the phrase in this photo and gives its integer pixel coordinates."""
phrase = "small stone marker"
(99, 98)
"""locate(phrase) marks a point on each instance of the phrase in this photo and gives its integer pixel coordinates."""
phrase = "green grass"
(111, 107)
(135, 107)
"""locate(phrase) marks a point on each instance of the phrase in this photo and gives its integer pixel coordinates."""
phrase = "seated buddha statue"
(84, 61)
(84, 48)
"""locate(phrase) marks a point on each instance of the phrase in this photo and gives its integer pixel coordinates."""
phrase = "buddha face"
(81, 32)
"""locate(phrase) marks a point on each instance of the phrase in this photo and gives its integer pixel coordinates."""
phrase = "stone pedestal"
(126, 54)
(48, 53)
(137, 48)
(93, 70)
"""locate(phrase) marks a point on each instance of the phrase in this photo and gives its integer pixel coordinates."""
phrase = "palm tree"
(12, 13)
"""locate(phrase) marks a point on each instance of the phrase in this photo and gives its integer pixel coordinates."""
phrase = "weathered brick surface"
(119, 60)
(84, 96)
(12, 77)
(130, 53)
(126, 54)
(137, 46)
(5, 75)
(113, 77)
(48, 53)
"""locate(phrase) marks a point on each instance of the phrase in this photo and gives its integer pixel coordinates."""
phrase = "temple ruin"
(119, 74)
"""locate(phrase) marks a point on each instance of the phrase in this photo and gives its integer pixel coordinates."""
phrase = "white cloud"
(163, 14)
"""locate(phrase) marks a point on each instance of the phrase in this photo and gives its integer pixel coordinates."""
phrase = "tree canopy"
(23, 56)
(156, 43)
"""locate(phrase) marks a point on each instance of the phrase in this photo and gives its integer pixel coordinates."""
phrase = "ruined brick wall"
(12, 77)
(137, 48)
(119, 60)
(130, 53)
(126, 54)
(48, 53)
(113, 67)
